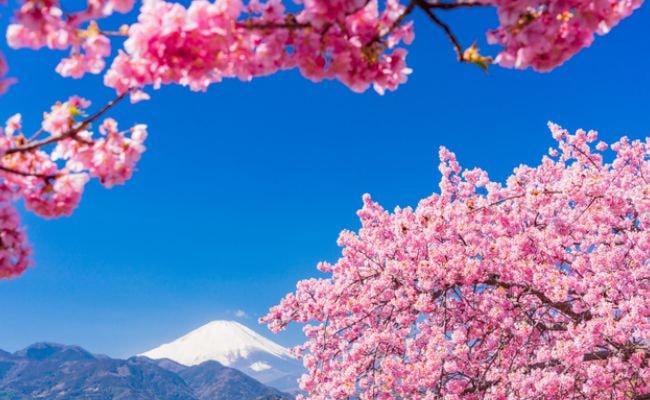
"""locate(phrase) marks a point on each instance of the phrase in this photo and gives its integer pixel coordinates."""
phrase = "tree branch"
(24, 173)
(408, 10)
(70, 133)
(452, 6)
(289, 24)
(563, 307)
(424, 6)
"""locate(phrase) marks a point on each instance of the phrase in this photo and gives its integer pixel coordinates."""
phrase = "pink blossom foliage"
(43, 23)
(358, 42)
(533, 289)
(14, 249)
(206, 42)
(49, 173)
(544, 34)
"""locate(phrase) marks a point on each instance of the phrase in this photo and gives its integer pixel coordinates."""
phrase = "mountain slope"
(51, 371)
(233, 385)
(234, 345)
(57, 372)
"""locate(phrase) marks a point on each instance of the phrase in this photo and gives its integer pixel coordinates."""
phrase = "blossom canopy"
(538, 288)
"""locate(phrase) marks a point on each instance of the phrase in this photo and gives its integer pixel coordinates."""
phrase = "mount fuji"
(234, 345)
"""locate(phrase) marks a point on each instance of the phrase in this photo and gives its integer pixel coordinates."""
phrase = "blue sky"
(245, 188)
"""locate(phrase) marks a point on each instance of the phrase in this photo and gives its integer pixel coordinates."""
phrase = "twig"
(35, 135)
(70, 133)
(451, 6)
(290, 24)
(408, 10)
(424, 6)
(23, 173)
(114, 33)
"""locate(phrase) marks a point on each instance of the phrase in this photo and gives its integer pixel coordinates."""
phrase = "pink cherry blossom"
(90, 58)
(111, 158)
(535, 288)
(51, 180)
(207, 42)
(15, 251)
(122, 6)
(361, 43)
(543, 35)
(40, 24)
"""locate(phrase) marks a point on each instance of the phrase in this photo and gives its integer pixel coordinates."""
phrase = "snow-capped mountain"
(234, 345)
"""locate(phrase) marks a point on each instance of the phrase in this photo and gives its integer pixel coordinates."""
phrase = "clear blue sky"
(244, 188)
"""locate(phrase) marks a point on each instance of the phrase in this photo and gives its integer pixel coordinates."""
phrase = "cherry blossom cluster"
(48, 170)
(43, 23)
(359, 42)
(206, 42)
(544, 34)
(14, 250)
(536, 288)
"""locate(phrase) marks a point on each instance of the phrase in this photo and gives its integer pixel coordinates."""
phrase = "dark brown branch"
(274, 25)
(480, 387)
(586, 156)
(70, 133)
(563, 307)
(408, 10)
(558, 326)
(424, 6)
(24, 173)
(598, 355)
(289, 22)
(452, 6)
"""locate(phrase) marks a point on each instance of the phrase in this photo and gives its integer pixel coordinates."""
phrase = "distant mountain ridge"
(234, 345)
(50, 371)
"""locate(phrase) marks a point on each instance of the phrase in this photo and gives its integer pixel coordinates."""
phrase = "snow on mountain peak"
(224, 341)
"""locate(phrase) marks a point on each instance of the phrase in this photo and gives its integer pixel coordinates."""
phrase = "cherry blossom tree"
(537, 288)
(358, 42)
